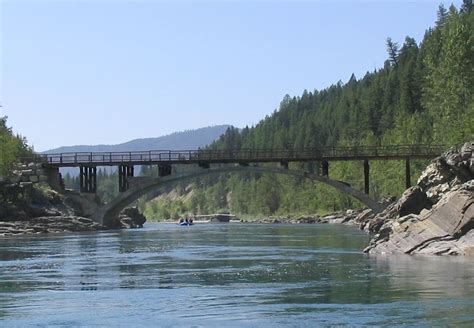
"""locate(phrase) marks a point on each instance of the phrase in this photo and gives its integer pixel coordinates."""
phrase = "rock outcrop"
(40, 209)
(131, 218)
(434, 217)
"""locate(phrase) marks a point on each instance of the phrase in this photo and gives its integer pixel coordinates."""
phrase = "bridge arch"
(139, 186)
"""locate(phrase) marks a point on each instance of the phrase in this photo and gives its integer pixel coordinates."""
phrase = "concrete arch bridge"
(139, 186)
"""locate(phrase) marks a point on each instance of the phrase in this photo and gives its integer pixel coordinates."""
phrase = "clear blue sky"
(90, 72)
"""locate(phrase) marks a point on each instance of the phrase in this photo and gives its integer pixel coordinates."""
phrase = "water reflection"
(426, 277)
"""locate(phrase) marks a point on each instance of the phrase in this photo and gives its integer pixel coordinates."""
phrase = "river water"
(214, 275)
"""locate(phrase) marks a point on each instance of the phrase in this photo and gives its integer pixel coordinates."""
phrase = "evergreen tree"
(392, 49)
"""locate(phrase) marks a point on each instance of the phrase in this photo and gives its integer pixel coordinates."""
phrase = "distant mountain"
(186, 140)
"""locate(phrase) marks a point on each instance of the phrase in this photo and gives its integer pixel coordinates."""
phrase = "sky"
(105, 72)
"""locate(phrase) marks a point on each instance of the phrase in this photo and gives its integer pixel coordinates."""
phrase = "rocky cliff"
(434, 217)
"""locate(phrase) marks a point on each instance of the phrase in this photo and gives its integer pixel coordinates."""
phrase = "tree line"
(13, 148)
(422, 95)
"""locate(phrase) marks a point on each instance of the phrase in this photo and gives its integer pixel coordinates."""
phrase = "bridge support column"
(124, 172)
(366, 176)
(407, 173)
(325, 168)
(165, 169)
(88, 179)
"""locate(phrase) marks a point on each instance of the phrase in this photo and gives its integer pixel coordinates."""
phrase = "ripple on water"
(208, 275)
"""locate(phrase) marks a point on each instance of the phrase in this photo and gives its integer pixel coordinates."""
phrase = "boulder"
(413, 200)
(132, 218)
(363, 217)
(224, 218)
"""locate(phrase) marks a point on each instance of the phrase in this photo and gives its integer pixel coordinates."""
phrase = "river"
(211, 275)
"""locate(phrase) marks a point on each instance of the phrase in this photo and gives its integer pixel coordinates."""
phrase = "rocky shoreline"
(48, 224)
(348, 217)
(39, 209)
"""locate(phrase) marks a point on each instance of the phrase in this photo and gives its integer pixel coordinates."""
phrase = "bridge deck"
(240, 156)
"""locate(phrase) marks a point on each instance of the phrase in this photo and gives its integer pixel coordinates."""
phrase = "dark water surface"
(226, 275)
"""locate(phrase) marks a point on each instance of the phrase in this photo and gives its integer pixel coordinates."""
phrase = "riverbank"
(39, 209)
(347, 217)
(48, 224)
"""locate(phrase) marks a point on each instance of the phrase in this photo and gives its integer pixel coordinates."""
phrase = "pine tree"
(392, 49)
(466, 6)
(442, 16)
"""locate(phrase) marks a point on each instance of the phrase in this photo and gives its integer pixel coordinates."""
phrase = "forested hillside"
(12, 148)
(423, 94)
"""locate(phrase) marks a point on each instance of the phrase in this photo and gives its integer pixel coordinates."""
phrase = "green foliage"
(12, 148)
(163, 209)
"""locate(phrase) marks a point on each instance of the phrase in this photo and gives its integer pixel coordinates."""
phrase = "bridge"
(243, 159)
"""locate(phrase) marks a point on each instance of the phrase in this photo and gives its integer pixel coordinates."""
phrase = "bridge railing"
(152, 156)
